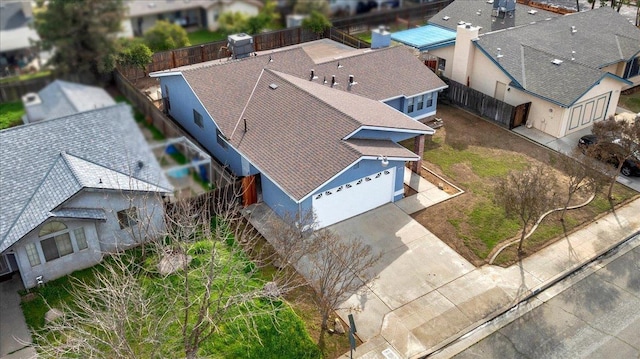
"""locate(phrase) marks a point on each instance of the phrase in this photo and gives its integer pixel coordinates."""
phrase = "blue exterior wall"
(276, 199)
(401, 104)
(183, 102)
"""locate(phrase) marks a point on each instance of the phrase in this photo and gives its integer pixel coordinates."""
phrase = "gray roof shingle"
(45, 163)
(528, 51)
(62, 98)
(467, 11)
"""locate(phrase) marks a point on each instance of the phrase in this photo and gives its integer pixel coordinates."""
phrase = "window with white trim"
(32, 254)
(429, 99)
(56, 246)
(81, 239)
(410, 105)
(633, 68)
(420, 104)
(128, 217)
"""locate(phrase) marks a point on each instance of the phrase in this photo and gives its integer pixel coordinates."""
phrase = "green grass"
(490, 225)
(139, 117)
(279, 335)
(11, 114)
(204, 36)
(482, 162)
(25, 77)
(631, 102)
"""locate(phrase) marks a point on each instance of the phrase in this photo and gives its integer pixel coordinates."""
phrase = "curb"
(533, 293)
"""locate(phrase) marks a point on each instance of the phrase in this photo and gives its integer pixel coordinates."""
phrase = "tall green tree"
(309, 6)
(266, 18)
(316, 22)
(82, 34)
(166, 36)
(233, 22)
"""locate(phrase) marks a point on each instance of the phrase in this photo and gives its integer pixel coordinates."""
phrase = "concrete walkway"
(13, 328)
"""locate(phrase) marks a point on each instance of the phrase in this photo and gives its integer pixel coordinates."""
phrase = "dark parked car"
(631, 165)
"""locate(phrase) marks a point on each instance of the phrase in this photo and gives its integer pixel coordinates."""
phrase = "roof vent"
(313, 75)
(573, 29)
(151, 4)
(479, 12)
(489, 1)
(351, 81)
(499, 54)
(532, 12)
(446, 18)
(333, 80)
(340, 66)
(273, 86)
(461, 22)
(556, 61)
(573, 55)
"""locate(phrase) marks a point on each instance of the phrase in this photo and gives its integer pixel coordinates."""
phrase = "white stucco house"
(571, 68)
(73, 188)
(193, 14)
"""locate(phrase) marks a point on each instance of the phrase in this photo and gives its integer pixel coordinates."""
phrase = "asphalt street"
(595, 317)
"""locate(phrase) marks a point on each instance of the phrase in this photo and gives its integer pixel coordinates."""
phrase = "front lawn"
(11, 114)
(204, 36)
(630, 102)
(473, 154)
(280, 335)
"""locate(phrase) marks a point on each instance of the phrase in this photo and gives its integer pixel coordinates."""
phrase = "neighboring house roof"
(297, 128)
(46, 163)
(478, 13)
(15, 32)
(152, 7)
(601, 37)
(425, 37)
(61, 98)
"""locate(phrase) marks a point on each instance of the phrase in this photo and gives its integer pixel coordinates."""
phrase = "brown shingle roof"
(295, 132)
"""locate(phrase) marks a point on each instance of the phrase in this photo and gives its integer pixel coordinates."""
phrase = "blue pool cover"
(425, 37)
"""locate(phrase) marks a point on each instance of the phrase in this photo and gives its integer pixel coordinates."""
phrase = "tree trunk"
(325, 319)
(524, 233)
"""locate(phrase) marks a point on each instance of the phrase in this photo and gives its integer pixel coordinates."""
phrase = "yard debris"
(52, 315)
(338, 328)
(171, 262)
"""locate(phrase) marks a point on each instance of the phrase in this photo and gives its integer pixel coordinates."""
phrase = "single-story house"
(307, 134)
(194, 14)
(570, 73)
(73, 188)
(62, 98)
(17, 37)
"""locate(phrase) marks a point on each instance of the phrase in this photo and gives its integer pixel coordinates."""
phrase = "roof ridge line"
(110, 169)
(279, 74)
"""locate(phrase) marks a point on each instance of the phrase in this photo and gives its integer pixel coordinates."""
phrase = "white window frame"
(32, 254)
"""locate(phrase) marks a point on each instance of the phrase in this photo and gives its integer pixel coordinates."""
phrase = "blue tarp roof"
(424, 37)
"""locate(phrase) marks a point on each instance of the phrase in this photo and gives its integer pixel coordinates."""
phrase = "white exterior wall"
(463, 54)
(484, 76)
(126, 30)
(112, 238)
(447, 54)
(62, 266)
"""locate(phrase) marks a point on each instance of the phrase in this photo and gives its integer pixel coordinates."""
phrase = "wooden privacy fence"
(217, 50)
(419, 14)
(490, 108)
(170, 129)
(217, 201)
(13, 91)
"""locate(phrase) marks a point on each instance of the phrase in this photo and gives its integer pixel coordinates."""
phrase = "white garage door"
(585, 113)
(353, 198)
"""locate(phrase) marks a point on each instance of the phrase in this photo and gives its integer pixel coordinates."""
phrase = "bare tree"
(225, 287)
(334, 266)
(526, 195)
(618, 141)
(111, 316)
(579, 176)
(204, 272)
(338, 268)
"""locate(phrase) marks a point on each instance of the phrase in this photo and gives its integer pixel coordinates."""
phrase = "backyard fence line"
(418, 14)
(191, 55)
(13, 91)
(169, 128)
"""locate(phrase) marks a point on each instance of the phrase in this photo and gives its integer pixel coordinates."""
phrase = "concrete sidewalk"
(444, 313)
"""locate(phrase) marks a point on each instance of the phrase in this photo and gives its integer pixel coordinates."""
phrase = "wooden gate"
(520, 114)
(249, 190)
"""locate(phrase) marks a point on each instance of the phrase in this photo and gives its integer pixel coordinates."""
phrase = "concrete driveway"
(13, 328)
(414, 263)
